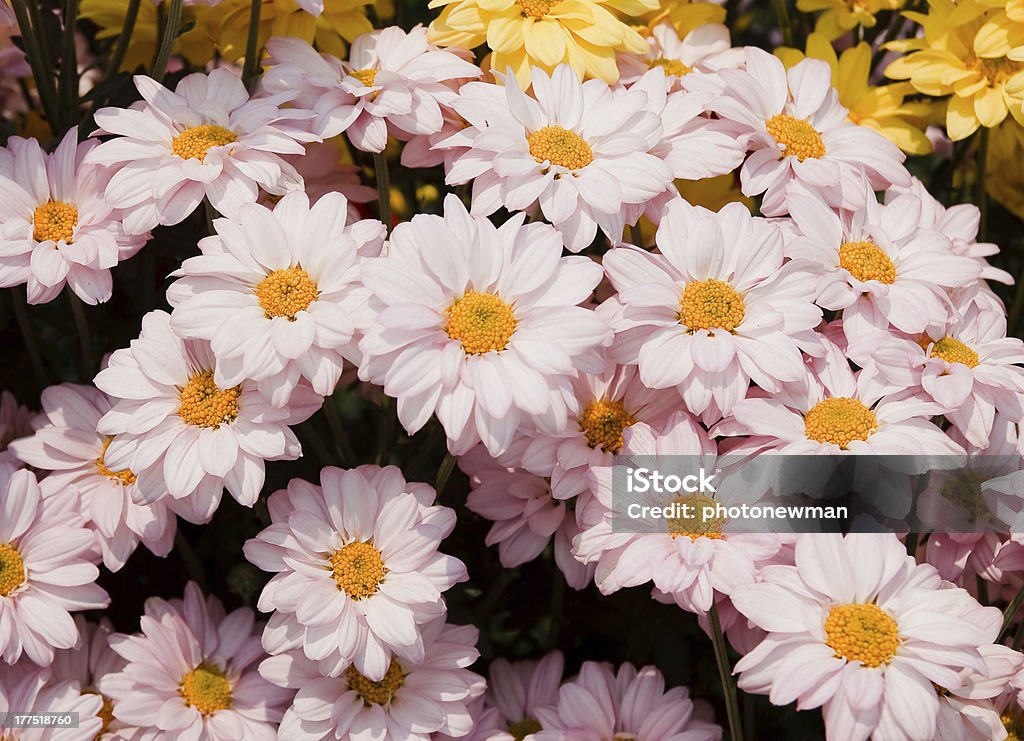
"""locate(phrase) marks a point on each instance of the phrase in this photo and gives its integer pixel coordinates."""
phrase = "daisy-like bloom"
(412, 701)
(191, 674)
(180, 434)
(877, 264)
(971, 52)
(277, 294)
(88, 667)
(579, 150)
(626, 703)
(842, 16)
(706, 48)
(515, 690)
(524, 34)
(689, 561)
(393, 82)
(58, 226)
(857, 628)
(15, 422)
(797, 131)
(480, 324)
(357, 571)
(47, 570)
(67, 445)
(715, 310)
(29, 689)
(206, 139)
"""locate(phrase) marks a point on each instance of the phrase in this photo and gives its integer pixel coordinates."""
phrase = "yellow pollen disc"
(12, 569)
(560, 147)
(964, 489)
(711, 304)
(1013, 722)
(193, 143)
(691, 522)
(205, 405)
(671, 66)
(365, 76)
(358, 569)
(106, 711)
(55, 220)
(953, 350)
(286, 293)
(996, 70)
(862, 632)
(523, 728)
(603, 421)
(867, 261)
(126, 476)
(536, 8)
(376, 693)
(798, 138)
(482, 322)
(207, 689)
(840, 421)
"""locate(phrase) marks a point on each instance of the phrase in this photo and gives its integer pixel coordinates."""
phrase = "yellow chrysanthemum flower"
(842, 16)
(686, 15)
(971, 51)
(883, 108)
(1004, 178)
(585, 34)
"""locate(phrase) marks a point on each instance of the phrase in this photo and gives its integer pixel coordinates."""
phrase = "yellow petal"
(961, 121)
(545, 41)
(990, 107)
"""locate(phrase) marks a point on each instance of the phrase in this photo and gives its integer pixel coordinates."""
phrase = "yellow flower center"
(126, 476)
(996, 70)
(482, 322)
(376, 693)
(862, 632)
(286, 293)
(205, 405)
(560, 147)
(953, 350)
(207, 689)
(536, 8)
(603, 421)
(840, 421)
(964, 490)
(867, 261)
(105, 713)
(12, 569)
(711, 304)
(1013, 722)
(358, 569)
(365, 76)
(193, 143)
(691, 522)
(798, 138)
(523, 728)
(55, 220)
(671, 66)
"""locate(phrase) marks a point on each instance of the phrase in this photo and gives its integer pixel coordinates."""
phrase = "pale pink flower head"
(357, 568)
(481, 324)
(602, 703)
(29, 689)
(47, 570)
(579, 151)
(413, 701)
(857, 628)
(324, 171)
(276, 293)
(705, 49)
(191, 673)
(15, 422)
(67, 445)
(57, 226)
(715, 310)
(184, 436)
(205, 139)
(796, 131)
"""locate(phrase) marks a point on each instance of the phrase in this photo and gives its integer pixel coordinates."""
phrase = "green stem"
(38, 59)
(192, 563)
(444, 472)
(386, 436)
(980, 192)
(1010, 612)
(82, 328)
(345, 450)
(782, 13)
(252, 54)
(170, 35)
(123, 40)
(69, 66)
(25, 327)
(732, 707)
(311, 439)
(380, 170)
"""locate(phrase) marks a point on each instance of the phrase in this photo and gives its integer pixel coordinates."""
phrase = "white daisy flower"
(705, 49)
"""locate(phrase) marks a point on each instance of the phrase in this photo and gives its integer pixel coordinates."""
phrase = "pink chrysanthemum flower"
(628, 704)
(205, 139)
(29, 689)
(58, 226)
(578, 150)
(47, 569)
(67, 445)
(480, 324)
(181, 434)
(357, 570)
(277, 294)
(15, 422)
(797, 131)
(393, 83)
(413, 701)
(705, 49)
(324, 171)
(715, 310)
(858, 628)
(191, 674)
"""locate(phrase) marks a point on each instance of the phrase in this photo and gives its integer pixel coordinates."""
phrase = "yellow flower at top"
(585, 34)
(1004, 177)
(972, 51)
(686, 16)
(883, 108)
(841, 16)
